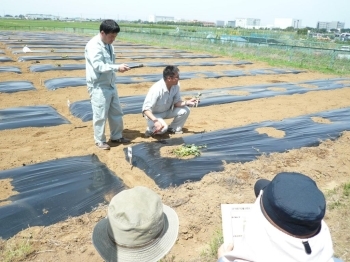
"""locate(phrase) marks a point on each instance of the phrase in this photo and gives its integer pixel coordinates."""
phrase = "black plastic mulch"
(57, 67)
(49, 67)
(13, 69)
(5, 59)
(35, 51)
(73, 46)
(64, 57)
(15, 86)
(132, 79)
(133, 104)
(53, 191)
(117, 51)
(235, 145)
(69, 57)
(30, 116)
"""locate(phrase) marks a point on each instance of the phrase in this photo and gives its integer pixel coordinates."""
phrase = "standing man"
(164, 101)
(100, 79)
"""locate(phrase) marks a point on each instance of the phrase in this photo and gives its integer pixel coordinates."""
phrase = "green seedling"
(188, 150)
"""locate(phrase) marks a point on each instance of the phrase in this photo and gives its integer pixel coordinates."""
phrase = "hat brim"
(260, 185)
(156, 250)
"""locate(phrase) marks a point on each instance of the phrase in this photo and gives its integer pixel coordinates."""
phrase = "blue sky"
(309, 11)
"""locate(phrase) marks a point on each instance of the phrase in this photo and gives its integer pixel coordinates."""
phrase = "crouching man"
(163, 101)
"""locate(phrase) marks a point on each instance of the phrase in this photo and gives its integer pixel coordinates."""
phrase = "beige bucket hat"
(138, 227)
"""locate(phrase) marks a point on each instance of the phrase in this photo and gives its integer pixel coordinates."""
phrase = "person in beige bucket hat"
(138, 227)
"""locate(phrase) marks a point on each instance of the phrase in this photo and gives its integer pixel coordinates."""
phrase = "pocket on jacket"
(98, 107)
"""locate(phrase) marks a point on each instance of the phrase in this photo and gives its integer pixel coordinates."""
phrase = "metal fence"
(334, 60)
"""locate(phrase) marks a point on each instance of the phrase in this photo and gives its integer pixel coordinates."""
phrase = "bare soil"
(197, 203)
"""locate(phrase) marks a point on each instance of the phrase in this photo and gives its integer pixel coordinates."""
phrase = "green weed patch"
(188, 150)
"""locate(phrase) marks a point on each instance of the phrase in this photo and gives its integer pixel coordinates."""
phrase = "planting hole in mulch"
(6, 190)
(271, 132)
(321, 120)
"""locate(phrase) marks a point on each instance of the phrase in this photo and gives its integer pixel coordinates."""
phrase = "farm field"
(197, 203)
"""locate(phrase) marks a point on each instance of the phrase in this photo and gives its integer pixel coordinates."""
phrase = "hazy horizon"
(310, 12)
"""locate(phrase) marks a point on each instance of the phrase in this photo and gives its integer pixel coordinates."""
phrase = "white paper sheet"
(233, 221)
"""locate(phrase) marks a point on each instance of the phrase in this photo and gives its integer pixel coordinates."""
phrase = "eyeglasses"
(175, 77)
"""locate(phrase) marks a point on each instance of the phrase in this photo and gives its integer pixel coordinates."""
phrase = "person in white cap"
(138, 227)
(285, 224)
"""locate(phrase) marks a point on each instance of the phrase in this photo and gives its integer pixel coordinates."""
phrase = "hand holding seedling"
(158, 126)
(193, 101)
(197, 98)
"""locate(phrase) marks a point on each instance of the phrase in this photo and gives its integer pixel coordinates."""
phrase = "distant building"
(284, 23)
(205, 23)
(157, 18)
(247, 22)
(220, 23)
(231, 23)
(181, 20)
(330, 25)
(41, 17)
(322, 25)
